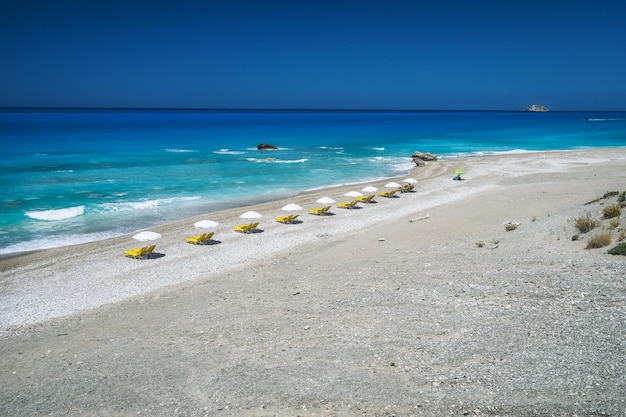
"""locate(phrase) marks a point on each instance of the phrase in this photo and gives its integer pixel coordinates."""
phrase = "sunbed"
(366, 199)
(347, 204)
(196, 240)
(388, 194)
(136, 253)
(245, 228)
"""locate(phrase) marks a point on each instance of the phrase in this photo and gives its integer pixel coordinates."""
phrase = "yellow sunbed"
(388, 194)
(196, 240)
(246, 228)
(366, 199)
(347, 204)
(136, 253)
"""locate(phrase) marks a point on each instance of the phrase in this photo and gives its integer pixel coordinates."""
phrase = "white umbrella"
(325, 200)
(393, 185)
(369, 189)
(205, 224)
(353, 194)
(147, 235)
(410, 180)
(251, 215)
(292, 207)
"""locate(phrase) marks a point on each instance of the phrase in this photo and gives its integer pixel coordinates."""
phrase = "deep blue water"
(69, 176)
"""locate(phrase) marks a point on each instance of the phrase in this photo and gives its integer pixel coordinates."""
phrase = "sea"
(69, 176)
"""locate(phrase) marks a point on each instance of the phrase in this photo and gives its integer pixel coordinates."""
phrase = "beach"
(390, 309)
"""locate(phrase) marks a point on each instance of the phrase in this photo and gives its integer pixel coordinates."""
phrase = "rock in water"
(266, 147)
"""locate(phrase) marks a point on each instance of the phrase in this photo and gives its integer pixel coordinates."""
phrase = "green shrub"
(610, 194)
(585, 224)
(622, 197)
(618, 250)
(510, 226)
(599, 240)
(614, 223)
(611, 211)
(480, 244)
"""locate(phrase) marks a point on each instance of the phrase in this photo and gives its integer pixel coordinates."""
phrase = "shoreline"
(363, 312)
(434, 189)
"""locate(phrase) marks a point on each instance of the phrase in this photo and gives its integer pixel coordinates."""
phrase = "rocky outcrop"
(420, 158)
(537, 108)
(266, 147)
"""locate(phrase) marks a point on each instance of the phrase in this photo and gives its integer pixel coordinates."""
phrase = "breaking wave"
(57, 214)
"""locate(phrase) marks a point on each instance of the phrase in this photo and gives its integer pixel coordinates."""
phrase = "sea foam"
(58, 214)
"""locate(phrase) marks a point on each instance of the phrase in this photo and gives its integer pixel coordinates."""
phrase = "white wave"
(277, 161)
(337, 148)
(143, 205)
(293, 161)
(178, 150)
(56, 241)
(378, 149)
(58, 214)
(64, 170)
(228, 152)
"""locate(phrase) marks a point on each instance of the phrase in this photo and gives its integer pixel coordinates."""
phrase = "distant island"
(537, 107)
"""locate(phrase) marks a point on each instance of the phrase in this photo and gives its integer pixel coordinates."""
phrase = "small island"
(537, 108)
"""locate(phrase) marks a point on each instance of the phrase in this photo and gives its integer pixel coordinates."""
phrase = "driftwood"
(420, 218)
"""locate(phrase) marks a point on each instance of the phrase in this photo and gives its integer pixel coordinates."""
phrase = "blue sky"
(423, 55)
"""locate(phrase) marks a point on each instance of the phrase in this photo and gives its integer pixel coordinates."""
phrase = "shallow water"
(81, 175)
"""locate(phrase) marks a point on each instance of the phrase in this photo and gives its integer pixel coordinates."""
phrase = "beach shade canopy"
(147, 235)
(292, 207)
(459, 172)
(410, 180)
(353, 194)
(393, 185)
(325, 200)
(251, 215)
(205, 224)
(369, 189)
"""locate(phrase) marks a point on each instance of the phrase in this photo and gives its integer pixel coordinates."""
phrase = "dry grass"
(611, 211)
(586, 224)
(599, 240)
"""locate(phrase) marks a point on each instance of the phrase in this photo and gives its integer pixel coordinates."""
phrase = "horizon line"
(282, 109)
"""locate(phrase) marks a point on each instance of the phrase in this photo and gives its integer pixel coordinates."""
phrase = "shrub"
(622, 197)
(614, 223)
(495, 241)
(618, 250)
(480, 244)
(585, 224)
(611, 211)
(599, 240)
(510, 226)
(610, 194)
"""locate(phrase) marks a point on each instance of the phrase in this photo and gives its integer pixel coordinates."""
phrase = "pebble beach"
(394, 308)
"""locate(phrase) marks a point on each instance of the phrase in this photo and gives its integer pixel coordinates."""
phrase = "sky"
(357, 54)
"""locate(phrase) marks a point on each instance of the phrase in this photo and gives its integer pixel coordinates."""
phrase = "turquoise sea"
(71, 176)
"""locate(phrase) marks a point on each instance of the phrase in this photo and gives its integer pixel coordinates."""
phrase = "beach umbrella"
(410, 180)
(459, 172)
(251, 215)
(369, 189)
(292, 207)
(325, 200)
(205, 224)
(147, 235)
(353, 194)
(393, 185)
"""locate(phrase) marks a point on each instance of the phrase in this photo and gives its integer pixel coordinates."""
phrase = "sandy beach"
(392, 309)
